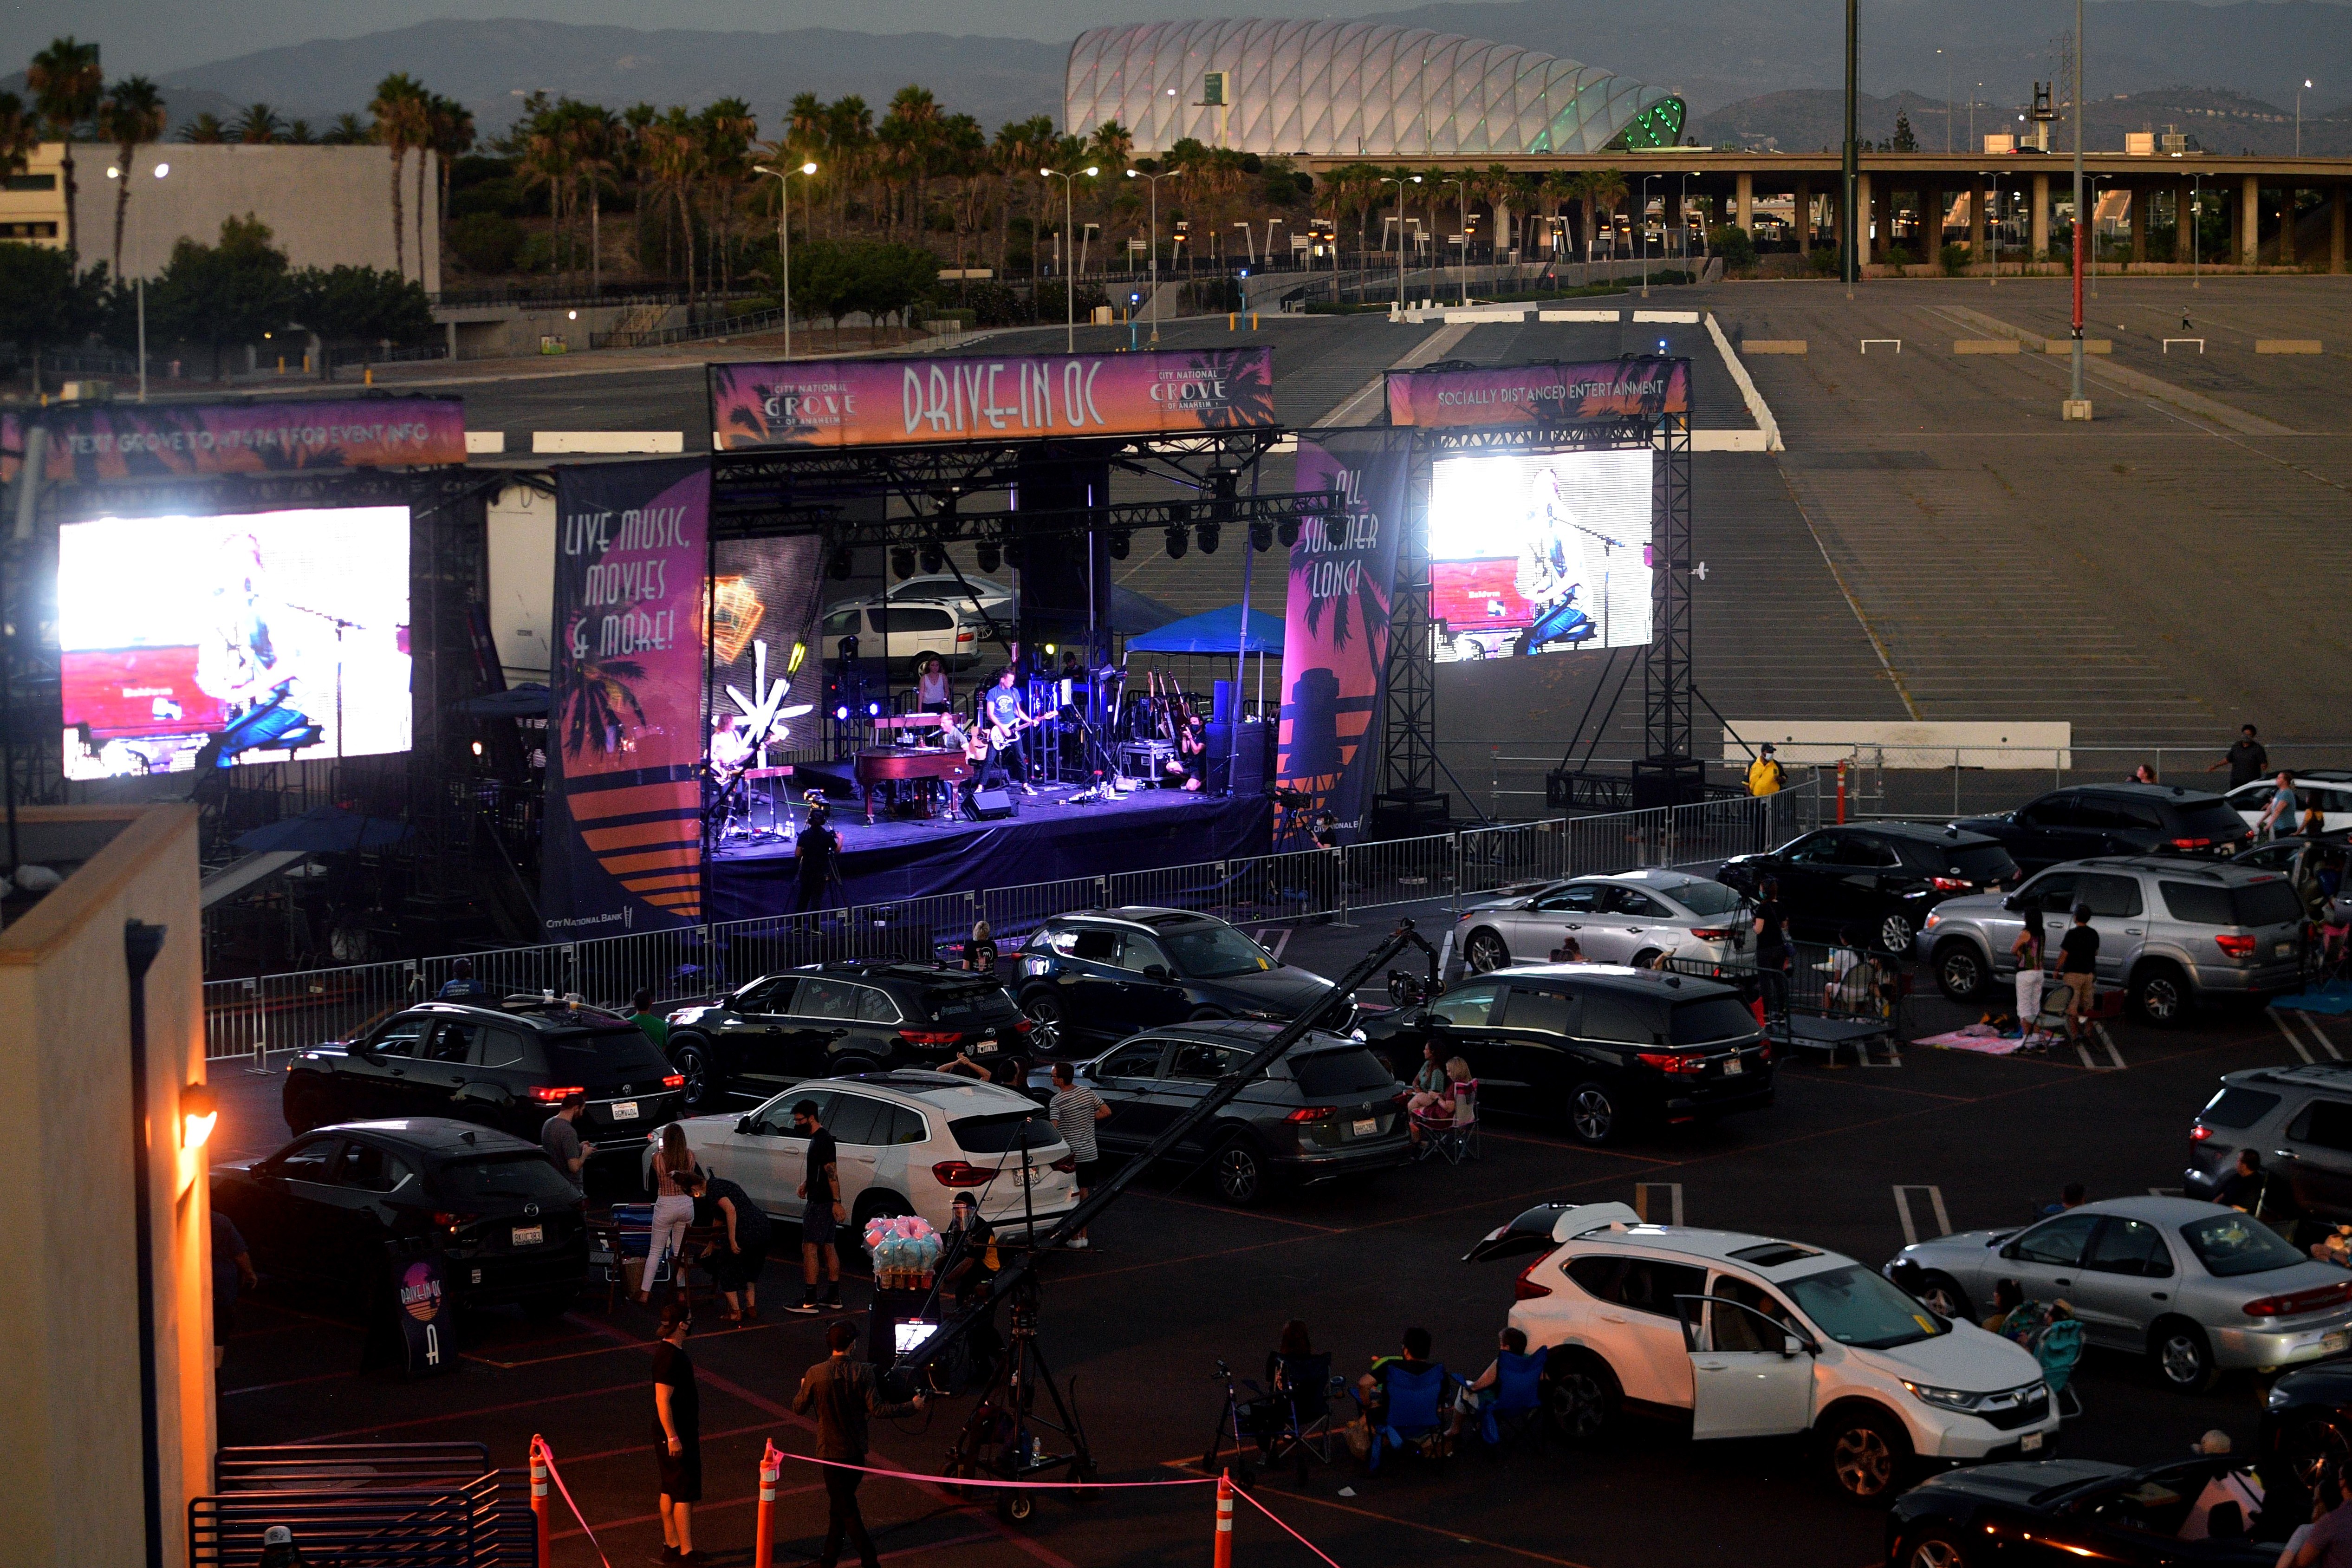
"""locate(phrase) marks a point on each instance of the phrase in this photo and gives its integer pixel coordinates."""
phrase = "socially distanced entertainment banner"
(119, 441)
(1335, 635)
(896, 402)
(623, 845)
(1538, 394)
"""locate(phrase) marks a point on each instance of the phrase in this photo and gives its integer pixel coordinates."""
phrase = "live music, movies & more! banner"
(130, 441)
(1539, 395)
(624, 841)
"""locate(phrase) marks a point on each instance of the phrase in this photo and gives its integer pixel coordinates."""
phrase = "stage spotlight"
(986, 550)
(1016, 553)
(934, 560)
(837, 565)
(1285, 533)
(1208, 533)
(902, 562)
(1261, 537)
(841, 715)
(874, 710)
(1177, 543)
(1119, 539)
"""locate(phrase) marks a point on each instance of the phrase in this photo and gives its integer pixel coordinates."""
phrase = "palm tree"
(205, 131)
(257, 125)
(452, 127)
(849, 141)
(66, 83)
(963, 158)
(398, 107)
(594, 134)
(915, 115)
(347, 130)
(298, 134)
(1021, 148)
(726, 131)
(546, 161)
(132, 114)
(20, 134)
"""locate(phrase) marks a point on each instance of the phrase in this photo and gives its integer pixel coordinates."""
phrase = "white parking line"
(1673, 1191)
(2108, 1040)
(1910, 1225)
(1281, 938)
(2311, 1022)
(2280, 1019)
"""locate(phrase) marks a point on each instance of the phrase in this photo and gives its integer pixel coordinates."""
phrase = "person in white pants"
(2027, 951)
(673, 1208)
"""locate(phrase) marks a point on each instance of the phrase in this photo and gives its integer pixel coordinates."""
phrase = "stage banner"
(1335, 635)
(1538, 394)
(767, 672)
(902, 401)
(623, 839)
(130, 441)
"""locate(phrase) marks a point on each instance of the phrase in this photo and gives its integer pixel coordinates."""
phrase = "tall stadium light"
(114, 173)
(1641, 232)
(1069, 278)
(2077, 405)
(1400, 181)
(784, 236)
(1849, 259)
(1155, 179)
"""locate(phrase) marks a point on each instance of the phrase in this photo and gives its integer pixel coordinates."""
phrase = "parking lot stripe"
(446, 1416)
(1910, 1225)
(1673, 1191)
(2280, 1019)
(2107, 1040)
(1274, 939)
(2319, 1035)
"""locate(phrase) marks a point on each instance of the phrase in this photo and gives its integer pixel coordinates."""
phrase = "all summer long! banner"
(623, 845)
(1335, 636)
(1538, 394)
(119, 441)
(898, 401)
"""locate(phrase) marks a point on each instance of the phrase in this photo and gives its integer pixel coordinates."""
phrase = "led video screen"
(1539, 553)
(216, 641)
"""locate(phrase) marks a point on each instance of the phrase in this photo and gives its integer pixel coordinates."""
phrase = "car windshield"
(2210, 819)
(958, 1003)
(2229, 1245)
(1338, 1075)
(511, 1178)
(1981, 862)
(1855, 1306)
(1704, 898)
(1001, 1131)
(1711, 1019)
(1214, 952)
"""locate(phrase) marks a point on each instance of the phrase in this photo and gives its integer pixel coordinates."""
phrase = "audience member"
(2232, 1485)
(1373, 1388)
(1075, 1108)
(843, 1395)
(2008, 1295)
(823, 1213)
(560, 1136)
(677, 1432)
(740, 1257)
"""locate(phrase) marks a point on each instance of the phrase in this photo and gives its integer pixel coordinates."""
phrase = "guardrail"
(267, 1014)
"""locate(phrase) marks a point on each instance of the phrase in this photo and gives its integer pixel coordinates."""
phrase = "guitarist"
(1002, 718)
(730, 753)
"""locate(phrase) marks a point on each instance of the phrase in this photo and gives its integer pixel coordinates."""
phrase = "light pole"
(1849, 259)
(2298, 117)
(2196, 208)
(1069, 278)
(1642, 233)
(1462, 189)
(1947, 104)
(2084, 231)
(784, 236)
(1155, 179)
(114, 173)
(1400, 182)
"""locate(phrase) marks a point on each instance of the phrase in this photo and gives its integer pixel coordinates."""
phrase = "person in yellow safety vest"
(1765, 774)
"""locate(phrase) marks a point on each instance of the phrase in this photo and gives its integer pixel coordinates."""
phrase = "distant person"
(2078, 970)
(2143, 774)
(677, 1432)
(2233, 1484)
(2008, 1295)
(2027, 951)
(656, 1026)
(817, 863)
(2305, 1548)
(823, 1213)
(934, 692)
(979, 953)
(1765, 774)
(1074, 1110)
(2247, 1184)
(1771, 933)
(280, 1549)
(673, 1212)
(2246, 760)
(743, 1254)
(1373, 1388)
(843, 1395)
(560, 1136)
(462, 987)
(232, 1268)
(2284, 815)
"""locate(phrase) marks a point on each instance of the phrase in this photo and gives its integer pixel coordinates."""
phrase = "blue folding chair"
(1302, 1409)
(1417, 1414)
(2058, 1347)
(1517, 1401)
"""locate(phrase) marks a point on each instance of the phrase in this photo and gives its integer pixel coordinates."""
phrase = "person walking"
(2078, 970)
(462, 985)
(2027, 951)
(843, 1395)
(653, 1025)
(1772, 929)
(1074, 1111)
(718, 1200)
(560, 1136)
(2245, 759)
(1765, 774)
(2284, 815)
(824, 1212)
(673, 1211)
(677, 1432)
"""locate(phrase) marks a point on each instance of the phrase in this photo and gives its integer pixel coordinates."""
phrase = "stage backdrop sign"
(1538, 394)
(764, 655)
(901, 401)
(1335, 637)
(623, 845)
(129, 440)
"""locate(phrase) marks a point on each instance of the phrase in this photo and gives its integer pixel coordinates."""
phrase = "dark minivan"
(1594, 1047)
(2084, 820)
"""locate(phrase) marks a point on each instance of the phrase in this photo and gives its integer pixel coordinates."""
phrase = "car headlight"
(1975, 1404)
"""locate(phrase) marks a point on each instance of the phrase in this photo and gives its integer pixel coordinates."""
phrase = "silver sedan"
(1630, 917)
(2197, 1287)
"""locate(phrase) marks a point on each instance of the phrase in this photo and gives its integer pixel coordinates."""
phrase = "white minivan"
(1750, 1336)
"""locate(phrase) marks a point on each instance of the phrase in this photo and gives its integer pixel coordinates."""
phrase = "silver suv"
(2298, 1120)
(2171, 931)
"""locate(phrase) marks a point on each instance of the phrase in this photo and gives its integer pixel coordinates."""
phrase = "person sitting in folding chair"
(1404, 1400)
(1294, 1417)
(1509, 1393)
(1450, 1129)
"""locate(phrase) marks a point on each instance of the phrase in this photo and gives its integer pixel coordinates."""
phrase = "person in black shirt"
(2078, 969)
(2244, 1188)
(2246, 761)
(737, 1264)
(968, 1255)
(824, 1213)
(678, 1433)
(818, 862)
(1771, 927)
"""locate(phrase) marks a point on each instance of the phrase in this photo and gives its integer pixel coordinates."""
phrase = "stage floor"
(1049, 841)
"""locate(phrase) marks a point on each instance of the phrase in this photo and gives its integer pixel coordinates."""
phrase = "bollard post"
(367, 375)
(538, 1528)
(1841, 791)
(763, 1544)
(1224, 1558)
(1230, 321)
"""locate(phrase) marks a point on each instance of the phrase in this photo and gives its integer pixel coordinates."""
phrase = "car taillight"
(2198, 1133)
(963, 1174)
(675, 1080)
(2193, 844)
(1526, 1289)
(1025, 1026)
(1672, 1062)
(1311, 1113)
(453, 1220)
(2238, 946)
(1067, 1162)
(1948, 884)
(555, 1094)
(967, 636)
(930, 1036)
(1711, 933)
(2300, 1302)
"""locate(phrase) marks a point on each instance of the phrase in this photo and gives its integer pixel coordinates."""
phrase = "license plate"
(2284, 948)
(2029, 1443)
(1030, 1178)
(1366, 1126)
(1733, 1067)
(530, 1235)
(624, 1110)
(2330, 1344)
(985, 1049)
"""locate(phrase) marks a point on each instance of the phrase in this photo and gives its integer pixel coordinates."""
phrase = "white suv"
(1753, 1337)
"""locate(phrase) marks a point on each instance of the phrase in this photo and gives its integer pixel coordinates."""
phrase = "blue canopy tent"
(1213, 632)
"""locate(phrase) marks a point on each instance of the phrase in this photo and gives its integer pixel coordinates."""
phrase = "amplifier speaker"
(1247, 773)
(990, 805)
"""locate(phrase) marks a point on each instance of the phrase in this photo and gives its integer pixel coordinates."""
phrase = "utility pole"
(1849, 244)
(2077, 405)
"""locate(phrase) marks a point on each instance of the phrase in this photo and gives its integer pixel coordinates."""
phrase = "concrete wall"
(326, 207)
(70, 1339)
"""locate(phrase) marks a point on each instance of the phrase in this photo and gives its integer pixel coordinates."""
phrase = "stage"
(1049, 841)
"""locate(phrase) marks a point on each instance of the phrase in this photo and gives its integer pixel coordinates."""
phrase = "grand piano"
(893, 764)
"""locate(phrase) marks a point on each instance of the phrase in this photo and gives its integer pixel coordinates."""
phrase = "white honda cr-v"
(1748, 1336)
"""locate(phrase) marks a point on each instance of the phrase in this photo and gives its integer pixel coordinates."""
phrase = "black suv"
(505, 1068)
(2077, 823)
(1102, 975)
(1592, 1045)
(1329, 1108)
(1878, 879)
(343, 1207)
(835, 1020)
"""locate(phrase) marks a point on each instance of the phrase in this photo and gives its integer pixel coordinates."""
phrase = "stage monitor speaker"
(990, 805)
(1220, 702)
(1250, 770)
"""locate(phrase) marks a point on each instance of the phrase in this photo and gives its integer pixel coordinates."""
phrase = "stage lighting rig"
(902, 562)
(988, 554)
(934, 560)
(1207, 534)
(1177, 543)
(1261, 537)
(1121, 538)
(1285, 533)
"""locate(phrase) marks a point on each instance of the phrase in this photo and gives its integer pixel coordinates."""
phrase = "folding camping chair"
(1302, 1405)
(1416, 1415)
(1517, 1409)
(1454, 1138)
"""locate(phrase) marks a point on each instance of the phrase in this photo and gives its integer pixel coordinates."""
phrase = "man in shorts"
(822, 1218)
(2078, 970)
(1074, 1111)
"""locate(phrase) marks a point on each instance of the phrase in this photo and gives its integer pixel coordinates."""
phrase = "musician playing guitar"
(1002, 718)
(731, 752)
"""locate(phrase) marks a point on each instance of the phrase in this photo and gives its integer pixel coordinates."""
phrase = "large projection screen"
(253, 637)
(1535, 553)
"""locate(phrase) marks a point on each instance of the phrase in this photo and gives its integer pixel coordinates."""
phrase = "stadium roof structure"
(1350, 89)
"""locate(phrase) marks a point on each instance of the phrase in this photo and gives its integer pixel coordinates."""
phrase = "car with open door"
(2184, 1514)
(1751, 1336)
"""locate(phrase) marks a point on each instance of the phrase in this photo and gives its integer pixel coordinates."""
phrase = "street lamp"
(1948, 102)
(116, 172)
(1400, 182)
(784, 236)
(1642, 233)
(1462, 238)
(1069, 278)
(1155, 179)
(2298, 122)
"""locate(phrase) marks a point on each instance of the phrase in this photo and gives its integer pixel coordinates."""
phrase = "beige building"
(326, 206)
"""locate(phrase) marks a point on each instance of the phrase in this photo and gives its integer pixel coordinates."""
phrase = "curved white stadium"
(1347, 89)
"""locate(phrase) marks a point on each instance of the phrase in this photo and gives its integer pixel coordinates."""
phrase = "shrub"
(1826, 261)
(1955, 260)
(1735, 245)
(1898, 256)
(487, 242)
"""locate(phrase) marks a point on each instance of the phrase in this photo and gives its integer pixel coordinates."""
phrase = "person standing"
(1765, 774)
(718, 1200)
(654, 1026)
(673, 1211)
(462, 985)
(1771, 929)
(2078, 970)
(934, 692)
(560, 1137)
(1002, 710)
(817, 863)
(843, 1395)
(2142, 774)
(2284, 815)
(980, 953)
(1074, 1111)
(232, 1267)
(2246, 760)
(2027, 951)
(677, 1432)
(824, 1212)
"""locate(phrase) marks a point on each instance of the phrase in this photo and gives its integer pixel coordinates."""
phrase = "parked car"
(2307, 1421)
(502, 1068)
(1629, 918)
(2116, 819)
(906, 1142)
(1101, 974)
(934, 614)
(2173, 933)
(1875, 880)
(2316, 865)
(1750, 1336)
(1329, 1108)
(2298, 1120)
(835, 1020)
(1594, 1047)
(2198, 1289)
(2330, 789)
(341, 1206)
(2073, 1510)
